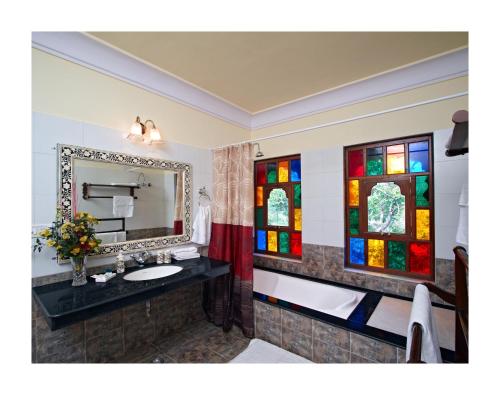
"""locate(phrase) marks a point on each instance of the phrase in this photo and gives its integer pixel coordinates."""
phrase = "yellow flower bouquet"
(73, 239)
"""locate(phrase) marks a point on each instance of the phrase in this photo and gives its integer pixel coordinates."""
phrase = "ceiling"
(259, 70)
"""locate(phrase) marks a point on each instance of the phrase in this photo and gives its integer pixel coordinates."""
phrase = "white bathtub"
(328, 299)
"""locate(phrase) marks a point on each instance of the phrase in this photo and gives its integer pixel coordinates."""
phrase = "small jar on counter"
(167, 256)
(160, 258)
(120, 263)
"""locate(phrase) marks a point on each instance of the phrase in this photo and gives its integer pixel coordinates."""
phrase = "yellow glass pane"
(272, 241)
(375, 253)
(283, 171)
(423, 225)
(298, 219)
(396, 163)
(260, 196)
(354, 193)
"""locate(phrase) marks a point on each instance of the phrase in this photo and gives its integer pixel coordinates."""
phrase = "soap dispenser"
(120, 263)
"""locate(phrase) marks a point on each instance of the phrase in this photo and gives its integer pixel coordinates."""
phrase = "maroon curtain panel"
(232, 236)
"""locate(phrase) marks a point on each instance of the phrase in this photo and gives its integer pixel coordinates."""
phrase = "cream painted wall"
(403, 123)
(67, 90)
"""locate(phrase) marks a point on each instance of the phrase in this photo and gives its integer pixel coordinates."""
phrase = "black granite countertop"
(63, 304)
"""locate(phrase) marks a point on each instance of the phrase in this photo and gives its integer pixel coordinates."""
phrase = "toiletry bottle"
(120, 263)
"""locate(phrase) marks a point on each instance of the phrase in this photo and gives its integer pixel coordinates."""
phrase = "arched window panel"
(278, 208)
(386, 209)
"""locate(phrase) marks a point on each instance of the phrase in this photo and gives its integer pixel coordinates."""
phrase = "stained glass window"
(390, 207)
(386, 209)
(354, 193)
(396, 159)
(374, 161)
(278, 206)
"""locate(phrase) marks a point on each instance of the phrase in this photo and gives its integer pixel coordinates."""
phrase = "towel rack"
(87, 185)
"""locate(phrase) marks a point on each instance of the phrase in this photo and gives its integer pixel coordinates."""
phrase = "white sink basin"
(152, 272)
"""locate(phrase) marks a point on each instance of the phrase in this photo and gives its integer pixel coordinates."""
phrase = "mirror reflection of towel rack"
(203, 194)
(86, 186)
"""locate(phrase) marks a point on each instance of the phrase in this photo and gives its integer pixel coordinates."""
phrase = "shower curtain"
(232, 236)
(179, 204)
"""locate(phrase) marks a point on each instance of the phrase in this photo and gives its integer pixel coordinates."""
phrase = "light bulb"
(136, 129)
(155, 134)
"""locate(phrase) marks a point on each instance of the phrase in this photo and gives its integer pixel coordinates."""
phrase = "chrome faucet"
(141, 257)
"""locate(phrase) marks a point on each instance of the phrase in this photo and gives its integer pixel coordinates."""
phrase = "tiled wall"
(317, 341)
(48, 130)
(124, 335)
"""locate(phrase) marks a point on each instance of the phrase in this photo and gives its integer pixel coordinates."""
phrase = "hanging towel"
(123, 206)
(202, 225)
(121, 236)
(463, 219)
(421, 312)
(106, 238)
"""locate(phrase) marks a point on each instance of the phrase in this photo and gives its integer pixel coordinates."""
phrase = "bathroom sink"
(152, 272)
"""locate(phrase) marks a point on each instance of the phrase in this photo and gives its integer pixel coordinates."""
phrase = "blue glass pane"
(419, 156)
(295, 170)
(420, 146)
(357, 251)
(261, 240)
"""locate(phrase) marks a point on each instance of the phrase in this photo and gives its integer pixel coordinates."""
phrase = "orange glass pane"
(395, 163)
(423, 225)
(272, 241)
(354, 193)
(298, 219)
(283, 171)
(260, 196)
(375, 253)
(396, 149)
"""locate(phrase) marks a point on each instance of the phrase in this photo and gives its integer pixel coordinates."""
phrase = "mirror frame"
(66, 156)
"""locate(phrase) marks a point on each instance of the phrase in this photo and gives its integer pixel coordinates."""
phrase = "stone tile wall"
(119, 336)
(317, 341)
(326, 262)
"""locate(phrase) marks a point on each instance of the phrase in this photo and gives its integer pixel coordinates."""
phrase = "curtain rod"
(356, 118)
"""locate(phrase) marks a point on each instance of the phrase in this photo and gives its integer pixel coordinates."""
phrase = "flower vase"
(79, 271)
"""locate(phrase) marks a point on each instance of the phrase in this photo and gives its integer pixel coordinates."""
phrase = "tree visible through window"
(277, 208)
(389, 207)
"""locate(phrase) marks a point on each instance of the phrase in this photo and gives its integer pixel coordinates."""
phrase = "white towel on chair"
(201, 226)
(123, 206)
(421, 312)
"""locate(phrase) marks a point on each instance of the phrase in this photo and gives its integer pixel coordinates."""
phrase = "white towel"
(463, 219)
(183, 249)
(123, 206)
(201, 226)
(106, 238)
(181, 256)
(421, 312)
(121, 236)
(259, 351)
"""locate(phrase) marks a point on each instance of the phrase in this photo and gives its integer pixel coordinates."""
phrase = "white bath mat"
(259, 351)
(393, 315)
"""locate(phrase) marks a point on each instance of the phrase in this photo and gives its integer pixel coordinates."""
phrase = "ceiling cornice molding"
(81, 49)
(78, 48)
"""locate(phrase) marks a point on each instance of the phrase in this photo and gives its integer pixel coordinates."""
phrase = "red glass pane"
(420, 258)
(261, 174)
(296, 244)
(356, 168)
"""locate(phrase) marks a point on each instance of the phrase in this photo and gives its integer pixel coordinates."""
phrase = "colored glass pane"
(261, 174)
(259, 217)
(354, 193)
(297, 216)
(295, 163)
(419, 156)
(395, 163)
(283, 171)
(260, 196)
(296, 244)
(396, 255)
(272, 241)
(374, 161)
(261, 240)
(356, 168)
(277, 208)
(420, 258)
(375, 253)
(386, 209)
(297, 195)
(423, 225)
(271, 173)
(396, 149)
(422, 191)
(354, 221)
(357, 251)
(284, 243)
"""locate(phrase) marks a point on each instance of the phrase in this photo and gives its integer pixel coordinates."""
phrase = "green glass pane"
(271, 173)
(260, 217)
(354, 221)
(422, 193)
(297, 195)
(396, 255)
(375, 166)
(284, 243)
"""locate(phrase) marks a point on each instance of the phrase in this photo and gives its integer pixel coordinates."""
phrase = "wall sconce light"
(146, 132)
